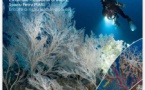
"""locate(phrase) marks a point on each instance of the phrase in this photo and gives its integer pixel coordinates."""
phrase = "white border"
(1, 9)
(143, 42)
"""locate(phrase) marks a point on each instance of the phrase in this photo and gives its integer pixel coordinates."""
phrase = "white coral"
(44, 83)
(61, 47)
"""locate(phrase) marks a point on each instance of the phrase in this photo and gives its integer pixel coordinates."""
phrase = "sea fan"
(47, 44)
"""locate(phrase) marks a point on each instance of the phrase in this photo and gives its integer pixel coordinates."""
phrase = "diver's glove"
(132, 26)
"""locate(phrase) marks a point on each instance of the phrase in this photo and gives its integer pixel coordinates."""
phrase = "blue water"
(88, 14)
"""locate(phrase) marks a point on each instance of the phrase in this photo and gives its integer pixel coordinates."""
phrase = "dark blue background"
(88, 14)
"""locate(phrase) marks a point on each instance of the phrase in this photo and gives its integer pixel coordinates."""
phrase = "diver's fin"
(132, 26)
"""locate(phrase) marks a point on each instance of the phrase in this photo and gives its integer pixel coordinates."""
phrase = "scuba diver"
(111, 9)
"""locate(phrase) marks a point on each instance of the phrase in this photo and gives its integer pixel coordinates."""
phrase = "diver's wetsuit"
(119, 11)
(112, 5)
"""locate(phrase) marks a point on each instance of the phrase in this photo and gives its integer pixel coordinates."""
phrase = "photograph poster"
(72, 45)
